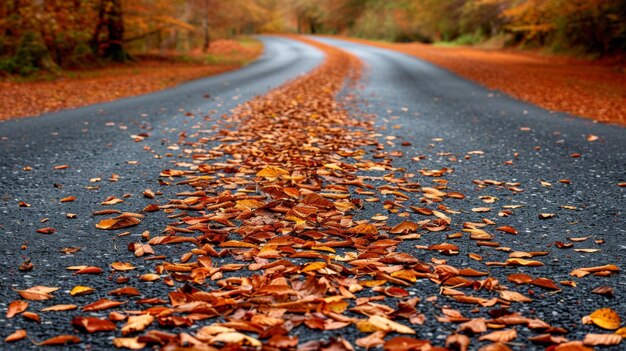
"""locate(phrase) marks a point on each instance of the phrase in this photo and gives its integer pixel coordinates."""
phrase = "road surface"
(454, 123)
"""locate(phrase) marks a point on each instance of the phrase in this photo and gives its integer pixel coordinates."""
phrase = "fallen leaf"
(16, 336)
(64, 307)
(102, 304)
(16, 307)
(605, 318)
(385, 324)
(128, 343)
(500, 336)
(60, 340)
(92, 324)
(81, 290)
(602, 339)
(37, 293)
(137, 323)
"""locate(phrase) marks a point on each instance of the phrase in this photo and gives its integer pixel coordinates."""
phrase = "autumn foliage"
(596, 26)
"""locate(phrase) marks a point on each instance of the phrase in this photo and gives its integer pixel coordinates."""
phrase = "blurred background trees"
(583, 26)
(54, 34)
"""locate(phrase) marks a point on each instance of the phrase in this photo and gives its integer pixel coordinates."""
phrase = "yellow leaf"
(314, 266)
(271, 172)
(385, 324)
(605, 318)
(81, 290)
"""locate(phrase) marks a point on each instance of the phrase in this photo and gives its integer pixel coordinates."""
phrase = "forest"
(56, 34)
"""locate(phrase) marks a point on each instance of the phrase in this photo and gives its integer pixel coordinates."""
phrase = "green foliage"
(28, 57)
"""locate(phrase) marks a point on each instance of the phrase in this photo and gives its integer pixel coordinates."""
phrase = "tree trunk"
(205, 27)
(110, 17)
(115, 25)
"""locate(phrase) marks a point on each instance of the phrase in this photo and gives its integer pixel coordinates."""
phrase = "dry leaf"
(128, 343)
(16, 307)
(60, 340)
(500, 336)
(16, 336)
(384, 324)
(605, 318)
(137, 323)
(602, 339)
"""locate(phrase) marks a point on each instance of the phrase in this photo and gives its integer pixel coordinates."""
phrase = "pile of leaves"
(275, 249)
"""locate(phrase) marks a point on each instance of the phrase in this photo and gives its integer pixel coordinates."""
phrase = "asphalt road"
(440, 114)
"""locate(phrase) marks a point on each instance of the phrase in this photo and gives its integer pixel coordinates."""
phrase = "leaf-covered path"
(375, 202)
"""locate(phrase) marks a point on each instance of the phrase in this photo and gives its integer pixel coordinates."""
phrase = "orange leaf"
(46, 230)
(605, 318)
(507, 229)
(514, 296)
(122, 266)
(16, 336)
(37, 293)
(60, 340)
(117, 223)
(500, 336)
(92, 324)
(602, 339)
(271, 172)
(59, 308)
(404, 227)
(16, 307)
(519, 278)
(137, 323)
(102, 304)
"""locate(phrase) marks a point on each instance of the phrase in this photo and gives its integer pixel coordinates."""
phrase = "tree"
(110, 18)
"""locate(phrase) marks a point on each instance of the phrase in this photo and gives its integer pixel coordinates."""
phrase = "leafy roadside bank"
(78, 88)
(591, 89)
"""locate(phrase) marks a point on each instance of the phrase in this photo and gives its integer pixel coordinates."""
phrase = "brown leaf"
(46, 230)
(125, 291)
(37, 293)
(16, 307)
(519, 278)
(371, 341)
(458, 342)
(271, 172)
(404, 343)
(117, 223)
(32, 316)
(16, 336)
(602, 339)
(545, 283)
(92, 324)
(128, 343)
(102, 304)
(507, 229)
(495, 347)
(581, 272)
(404, 227)
(500, 336)
(137, 323)
(67, 307)
(514, 297)
(89, 270)
(384, 324)
(548, 339)
(60, 340)
(122, 266)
